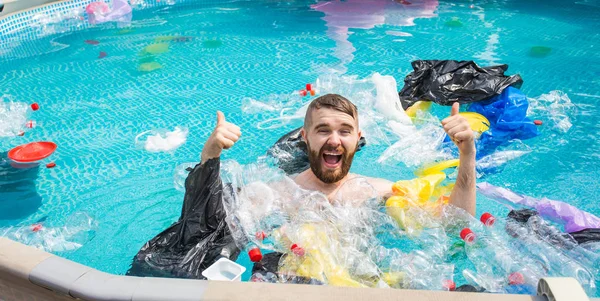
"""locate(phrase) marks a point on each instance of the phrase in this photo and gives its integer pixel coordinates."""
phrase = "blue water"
(94, 108)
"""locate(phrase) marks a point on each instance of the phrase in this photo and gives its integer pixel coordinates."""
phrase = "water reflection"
(342, 16)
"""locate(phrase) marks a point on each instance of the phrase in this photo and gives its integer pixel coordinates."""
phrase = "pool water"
(232, 51)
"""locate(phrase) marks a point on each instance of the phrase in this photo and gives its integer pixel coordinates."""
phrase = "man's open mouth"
(332, 160)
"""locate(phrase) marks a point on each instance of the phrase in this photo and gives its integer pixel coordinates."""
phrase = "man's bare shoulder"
(383, 186)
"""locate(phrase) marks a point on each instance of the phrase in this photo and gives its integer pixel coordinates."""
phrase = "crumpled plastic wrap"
(78, 229)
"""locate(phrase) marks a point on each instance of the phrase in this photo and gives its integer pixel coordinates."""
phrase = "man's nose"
(334, 140)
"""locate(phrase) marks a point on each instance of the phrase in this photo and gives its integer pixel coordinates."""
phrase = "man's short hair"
(330, 101)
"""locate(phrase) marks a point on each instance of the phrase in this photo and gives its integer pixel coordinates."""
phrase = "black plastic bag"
(586, 235)
(445, 82)
(291, 152)
(201, 235)
(521, 215)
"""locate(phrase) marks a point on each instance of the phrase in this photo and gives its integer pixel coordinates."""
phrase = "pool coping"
(26, 271)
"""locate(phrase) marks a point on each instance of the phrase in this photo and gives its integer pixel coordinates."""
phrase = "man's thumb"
(455, 108)
(220, 117)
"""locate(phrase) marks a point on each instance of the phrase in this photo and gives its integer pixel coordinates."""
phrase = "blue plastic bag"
(507, 114)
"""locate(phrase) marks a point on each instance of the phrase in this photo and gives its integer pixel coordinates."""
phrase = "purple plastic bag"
(569, 216)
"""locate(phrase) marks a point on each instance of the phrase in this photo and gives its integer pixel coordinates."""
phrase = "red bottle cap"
(308, 87)
(312, 92)
(260, 235)
(36, 227)
(467, 235)
(516, 278)
(487, 219)
(537, 122)
(51, 165)
(448, 284)
(302, 92)
(255, 254)
(297, 250)
(35, 106)
(30, 124)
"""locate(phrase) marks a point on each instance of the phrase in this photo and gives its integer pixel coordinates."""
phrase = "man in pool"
(331, 132)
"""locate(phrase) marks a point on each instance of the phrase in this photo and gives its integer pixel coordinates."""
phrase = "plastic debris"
(162, 141)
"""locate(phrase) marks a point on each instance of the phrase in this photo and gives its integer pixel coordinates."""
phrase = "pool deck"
(31, 274)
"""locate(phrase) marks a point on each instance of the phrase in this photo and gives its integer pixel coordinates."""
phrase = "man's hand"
(223, 136)
(457, 127)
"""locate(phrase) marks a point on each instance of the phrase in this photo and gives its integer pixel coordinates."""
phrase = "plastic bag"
(445, 82)
(200, 236)
(572, 218)
(507, 114)
(586, 236)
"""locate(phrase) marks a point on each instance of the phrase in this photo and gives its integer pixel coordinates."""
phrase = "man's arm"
(457, 127)
(223, 136)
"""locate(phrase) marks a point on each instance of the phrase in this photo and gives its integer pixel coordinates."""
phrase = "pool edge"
(27, 272)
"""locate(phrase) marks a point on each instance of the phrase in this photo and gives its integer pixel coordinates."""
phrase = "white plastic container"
(224, 270)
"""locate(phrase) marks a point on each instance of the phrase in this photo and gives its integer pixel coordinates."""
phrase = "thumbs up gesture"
(224, 136)
(457, 127)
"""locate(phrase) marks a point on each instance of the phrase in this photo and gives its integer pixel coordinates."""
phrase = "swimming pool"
(93, 108)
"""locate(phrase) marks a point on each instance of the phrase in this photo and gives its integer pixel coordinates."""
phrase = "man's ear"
(303, 133)
(359, 134)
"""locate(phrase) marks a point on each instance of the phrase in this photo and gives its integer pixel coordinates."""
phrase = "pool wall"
(30, 274)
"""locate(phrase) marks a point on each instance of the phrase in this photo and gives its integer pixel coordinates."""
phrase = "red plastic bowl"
(32, 152)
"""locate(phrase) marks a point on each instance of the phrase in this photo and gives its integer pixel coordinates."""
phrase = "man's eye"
(346, 132)
(322, 131)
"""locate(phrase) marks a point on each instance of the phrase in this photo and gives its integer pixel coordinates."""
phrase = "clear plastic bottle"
(493, 258)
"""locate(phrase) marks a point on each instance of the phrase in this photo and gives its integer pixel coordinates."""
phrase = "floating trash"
(157, 48)
(91, 42)
(148, 67)
(455, 22)
(212, 43)
(539, 51)
(124, 31)
(102, 55)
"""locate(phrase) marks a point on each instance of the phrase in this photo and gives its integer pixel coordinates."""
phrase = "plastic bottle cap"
(297, 250)
(30, 124)
(467, 235)
(51, 165)
(308, 87)
(35, 106)
(537, 122)
(449, 284)
(312, 92)
(36, 227)
(302, 92)
(255, 254)
(260, 235)
(487, 219)
(516, 278)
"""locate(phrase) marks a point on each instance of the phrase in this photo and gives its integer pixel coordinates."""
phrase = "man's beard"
(329, 176)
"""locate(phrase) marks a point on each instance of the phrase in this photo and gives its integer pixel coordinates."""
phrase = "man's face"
(332, 139)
